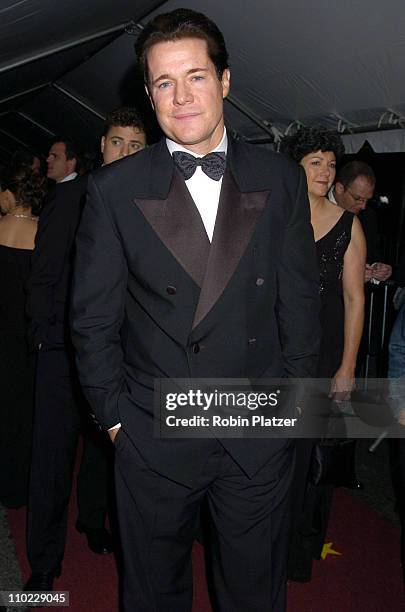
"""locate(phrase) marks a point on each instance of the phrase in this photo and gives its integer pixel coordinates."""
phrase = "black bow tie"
(212, 164)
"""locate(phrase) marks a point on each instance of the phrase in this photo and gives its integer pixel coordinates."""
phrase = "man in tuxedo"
(62, 161)
(194, 271)
(61, 410)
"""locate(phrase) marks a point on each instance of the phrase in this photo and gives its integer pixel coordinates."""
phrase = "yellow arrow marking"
(328, 550)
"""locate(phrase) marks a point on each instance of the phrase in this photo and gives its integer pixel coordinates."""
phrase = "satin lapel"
(178, 224)
(236, 220)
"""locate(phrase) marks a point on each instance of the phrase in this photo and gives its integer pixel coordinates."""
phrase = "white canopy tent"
(64, 64)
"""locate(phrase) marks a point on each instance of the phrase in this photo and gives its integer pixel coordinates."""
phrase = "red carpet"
(366, 577)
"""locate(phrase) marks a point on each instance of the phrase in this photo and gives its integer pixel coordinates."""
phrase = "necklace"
(22, 216)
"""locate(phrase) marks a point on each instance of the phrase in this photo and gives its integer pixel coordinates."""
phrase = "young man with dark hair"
(124, 134)
(195, 259)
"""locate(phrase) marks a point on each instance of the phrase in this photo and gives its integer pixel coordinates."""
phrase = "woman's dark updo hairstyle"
(311, 139)
(27, 187)
(22, 157)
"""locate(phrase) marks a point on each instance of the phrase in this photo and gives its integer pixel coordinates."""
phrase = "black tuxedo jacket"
(153, 298)
(369, 222)
(49, 285)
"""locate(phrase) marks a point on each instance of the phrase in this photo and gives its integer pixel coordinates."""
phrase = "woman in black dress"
(341, 253)
(21, 191)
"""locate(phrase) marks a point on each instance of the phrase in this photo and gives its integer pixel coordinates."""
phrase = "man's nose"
(182, 94)
(125, 150)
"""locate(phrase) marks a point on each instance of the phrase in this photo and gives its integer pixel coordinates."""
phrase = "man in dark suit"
(60, 408)
(184, 271)
(354, 187)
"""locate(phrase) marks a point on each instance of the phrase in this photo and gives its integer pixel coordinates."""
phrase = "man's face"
(58, 165)
(355, 197)
(121, 141)
(186, 93)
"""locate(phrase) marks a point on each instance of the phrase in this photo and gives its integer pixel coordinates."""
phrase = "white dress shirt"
(69, 177)
(204, 190)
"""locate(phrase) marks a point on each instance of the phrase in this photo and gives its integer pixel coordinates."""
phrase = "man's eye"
(315, 162)
(116, 143)
(135, 146)
(164, 85)
(197, 77)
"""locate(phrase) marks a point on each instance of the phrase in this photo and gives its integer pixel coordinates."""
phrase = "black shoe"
(99, 540)
(40, 581)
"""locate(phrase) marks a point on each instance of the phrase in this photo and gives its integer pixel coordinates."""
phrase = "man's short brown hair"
(180, 24)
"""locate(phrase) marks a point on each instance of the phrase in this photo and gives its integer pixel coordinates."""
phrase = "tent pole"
(75, 43)
(23, 93)
(264, 125)
(75, 99)
(36, 123)
(64, 47)
(20, 142)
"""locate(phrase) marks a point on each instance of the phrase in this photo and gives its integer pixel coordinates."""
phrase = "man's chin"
(187, 139)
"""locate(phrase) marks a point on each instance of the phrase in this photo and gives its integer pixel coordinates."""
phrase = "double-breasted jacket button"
(195, 348)
(259, 281)
(171, 289)
(252, 341)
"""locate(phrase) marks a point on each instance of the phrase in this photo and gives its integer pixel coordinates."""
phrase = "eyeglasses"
(357, 198)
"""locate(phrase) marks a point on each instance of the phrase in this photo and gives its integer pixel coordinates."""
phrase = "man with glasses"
(354, 187)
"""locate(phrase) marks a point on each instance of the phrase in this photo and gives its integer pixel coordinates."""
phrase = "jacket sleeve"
(298, 304)
(98, 300)
(47, 265)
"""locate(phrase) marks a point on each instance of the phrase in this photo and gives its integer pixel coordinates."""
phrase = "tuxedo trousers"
(247, 541)
(59, 415)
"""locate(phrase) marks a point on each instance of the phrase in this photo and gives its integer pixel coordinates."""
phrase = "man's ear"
(72, 164)
(102, 144)
(149, 96)
(226, 82)
(339, 188)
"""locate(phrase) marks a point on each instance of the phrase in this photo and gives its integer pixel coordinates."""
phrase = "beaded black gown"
(311, 505)
(16, 379)
(331, 250)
